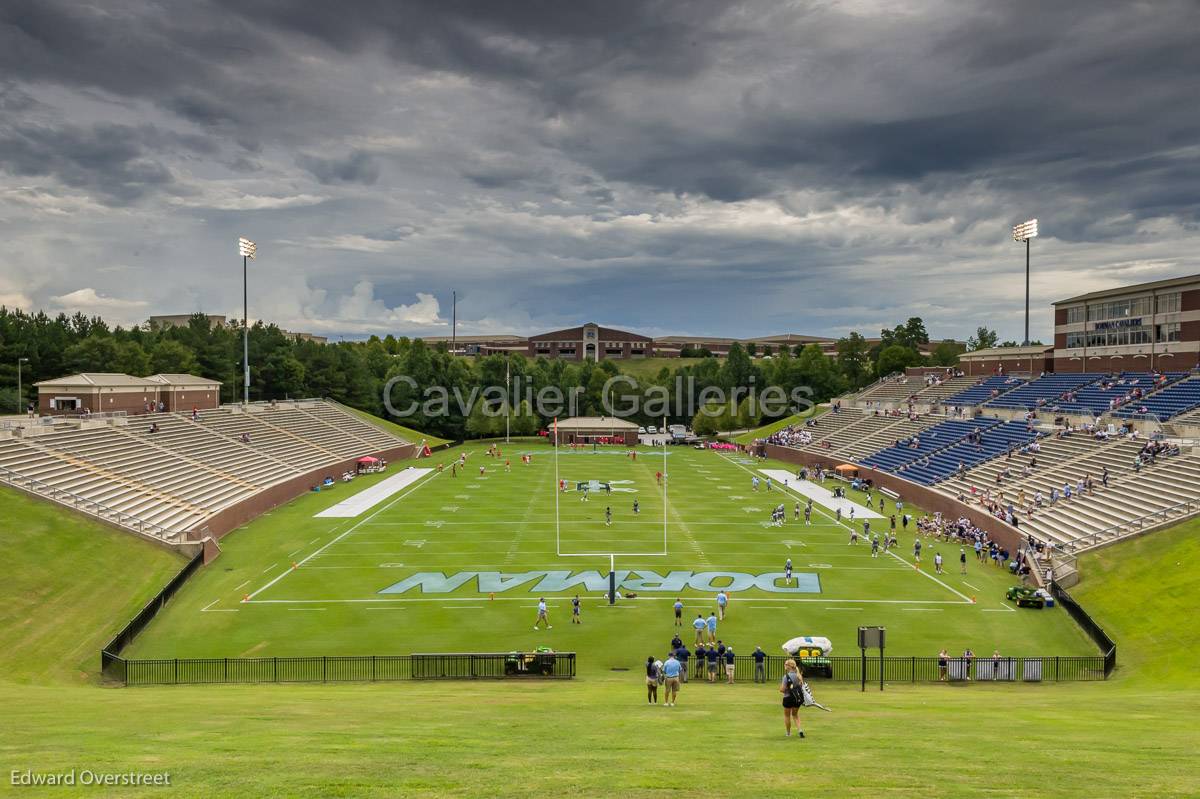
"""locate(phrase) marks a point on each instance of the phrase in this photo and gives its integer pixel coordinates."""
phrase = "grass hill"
(69, 584)
(1143, 592)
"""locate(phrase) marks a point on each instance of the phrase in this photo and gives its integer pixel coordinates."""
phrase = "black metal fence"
(1107, 645)
(365, 668)
(916, 669)
(112, 666)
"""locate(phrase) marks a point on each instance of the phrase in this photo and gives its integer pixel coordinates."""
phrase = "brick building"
(1135, 328)
(590, 342)
(1031, 360)
(112, 391)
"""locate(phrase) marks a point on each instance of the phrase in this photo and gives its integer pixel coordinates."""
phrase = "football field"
(456, 558)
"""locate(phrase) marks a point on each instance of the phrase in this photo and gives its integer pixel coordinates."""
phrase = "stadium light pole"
(20, 393)
(248, 250)
(1024, 232)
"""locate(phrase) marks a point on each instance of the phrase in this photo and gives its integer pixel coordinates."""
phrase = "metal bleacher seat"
(1042, 391)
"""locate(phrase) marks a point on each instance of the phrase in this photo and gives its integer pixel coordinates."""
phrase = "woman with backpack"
(651, 681)
(792, 688)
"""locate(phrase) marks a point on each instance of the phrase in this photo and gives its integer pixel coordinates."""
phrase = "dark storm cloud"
(778, 143)
(118, 163)
(357, 167)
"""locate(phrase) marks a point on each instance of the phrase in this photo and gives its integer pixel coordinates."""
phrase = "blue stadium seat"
(1179, 397)
(982, 392)
(1043, 391)
(1098, 398)
(943, 448)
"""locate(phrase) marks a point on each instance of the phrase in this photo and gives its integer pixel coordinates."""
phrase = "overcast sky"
(682, 167)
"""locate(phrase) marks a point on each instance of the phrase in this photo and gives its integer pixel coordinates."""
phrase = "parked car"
(641, 431)
(652, 430)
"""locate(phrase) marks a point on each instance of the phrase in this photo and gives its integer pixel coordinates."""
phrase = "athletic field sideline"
(457, 560)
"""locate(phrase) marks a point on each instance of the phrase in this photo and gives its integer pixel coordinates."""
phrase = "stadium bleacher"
(1176, 399)
(927, 442)
(1132, 500)
(1111, 393)
(982, 392)
(171, 478)
(1043, 391)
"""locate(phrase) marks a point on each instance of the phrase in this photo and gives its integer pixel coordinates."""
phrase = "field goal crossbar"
(612, 556)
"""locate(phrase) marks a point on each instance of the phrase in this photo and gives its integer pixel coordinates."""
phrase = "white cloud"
(89, 299)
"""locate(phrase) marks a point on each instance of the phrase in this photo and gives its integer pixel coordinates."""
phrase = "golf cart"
(1025, 597)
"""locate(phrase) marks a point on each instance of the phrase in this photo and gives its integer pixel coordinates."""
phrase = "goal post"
(611, 554)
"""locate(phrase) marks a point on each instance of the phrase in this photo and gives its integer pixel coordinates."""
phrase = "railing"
(88, 506)
(112, 665)
(1089, 626)
(1134, 526)
(924, 669)
(326, 669)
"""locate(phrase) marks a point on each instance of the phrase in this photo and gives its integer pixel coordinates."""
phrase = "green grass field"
(1133, 736)
(503, 523)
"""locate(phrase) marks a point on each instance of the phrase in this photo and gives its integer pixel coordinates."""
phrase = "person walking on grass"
(792, 688)
(962, 561)
(712, 628)
(542, 616)
(722, 604)
(636, 509)
(671, 671)
(678, 612)
(699, 626)
(787, 572)
(651, 681)
(575, 611)
(937, 562)
(608, 516)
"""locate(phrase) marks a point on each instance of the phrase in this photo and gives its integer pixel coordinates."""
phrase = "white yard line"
(968, 585)
(306, 608)
(926, 574)
(670, 598)
(338, 538)
(292, 554)
(243, 585)
(1000, 610)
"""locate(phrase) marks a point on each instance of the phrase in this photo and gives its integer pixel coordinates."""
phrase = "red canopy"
(368, 459)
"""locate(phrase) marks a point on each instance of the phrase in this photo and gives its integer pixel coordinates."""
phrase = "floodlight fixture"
(1024, 232)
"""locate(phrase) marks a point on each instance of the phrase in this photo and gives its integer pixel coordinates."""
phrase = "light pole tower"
(248, 250)
(20, 392)
(1024, 232)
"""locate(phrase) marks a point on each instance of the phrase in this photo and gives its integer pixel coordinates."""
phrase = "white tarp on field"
(370, 497)
(822, 496)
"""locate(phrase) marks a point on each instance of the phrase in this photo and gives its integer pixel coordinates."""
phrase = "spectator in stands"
(154, 427)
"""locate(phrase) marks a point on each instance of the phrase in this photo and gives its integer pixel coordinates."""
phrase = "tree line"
(356, 373)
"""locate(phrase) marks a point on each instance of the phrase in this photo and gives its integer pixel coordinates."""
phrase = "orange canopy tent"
(846, 468)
